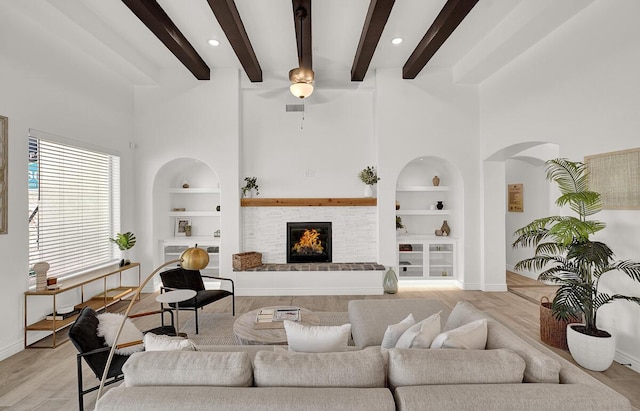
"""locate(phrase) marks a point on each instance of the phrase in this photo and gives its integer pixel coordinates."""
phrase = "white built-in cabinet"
(426, 257)
(199, 206)
(188, 190)
(421, 254)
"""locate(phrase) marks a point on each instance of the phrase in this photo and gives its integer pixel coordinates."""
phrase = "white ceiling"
(494, 32)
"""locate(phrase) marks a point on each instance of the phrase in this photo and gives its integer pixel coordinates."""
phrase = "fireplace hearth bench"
(513, 373)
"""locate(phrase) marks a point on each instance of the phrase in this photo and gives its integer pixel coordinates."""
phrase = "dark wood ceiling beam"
(303, 37)
(154, 17)
(451, 15)
(229, 19)
(377, 16)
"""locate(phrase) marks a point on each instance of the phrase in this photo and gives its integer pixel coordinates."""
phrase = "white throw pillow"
(318, 338)
(394, 331)
(471, 336)
(153, 342)
(421, 335)
(108, 325)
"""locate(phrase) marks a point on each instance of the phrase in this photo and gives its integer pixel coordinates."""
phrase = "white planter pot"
(368, 191)
(592, 353)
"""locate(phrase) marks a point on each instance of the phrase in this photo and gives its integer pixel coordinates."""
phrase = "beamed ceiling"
(343, 41)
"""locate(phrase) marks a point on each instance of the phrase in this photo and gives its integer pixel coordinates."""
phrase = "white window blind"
(74, 206)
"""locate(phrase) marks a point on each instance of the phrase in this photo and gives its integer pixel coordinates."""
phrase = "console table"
(98, 302)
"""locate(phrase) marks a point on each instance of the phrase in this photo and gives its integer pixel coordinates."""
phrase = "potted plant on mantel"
(251, 183)
(570, 259)
(369, 176)
(124, 241)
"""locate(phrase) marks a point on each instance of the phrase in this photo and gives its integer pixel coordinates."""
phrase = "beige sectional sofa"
(513, 373)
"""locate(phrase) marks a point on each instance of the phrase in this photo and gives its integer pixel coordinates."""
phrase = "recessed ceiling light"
(214, 43)
(397, 40)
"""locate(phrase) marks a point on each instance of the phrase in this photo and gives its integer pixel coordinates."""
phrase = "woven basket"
(250, 259)
(553, 331)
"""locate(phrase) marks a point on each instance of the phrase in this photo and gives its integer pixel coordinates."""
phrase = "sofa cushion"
(154, 342)
(539, 366)
(226, 369)
(421, 335)
(369, 318)
(395, 331)
(351, 369)
(317, 338)
(439, 367)
(471, 336)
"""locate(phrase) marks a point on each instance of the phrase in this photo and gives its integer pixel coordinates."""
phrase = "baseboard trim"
(10, 350)
(495, 287)
(629, 361)
(272, 292)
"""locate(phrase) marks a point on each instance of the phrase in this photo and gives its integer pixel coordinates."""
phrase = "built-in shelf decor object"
(4, 168)
(615, 176)
(308, 202)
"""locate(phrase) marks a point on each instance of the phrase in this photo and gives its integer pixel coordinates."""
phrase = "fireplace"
(309, 242)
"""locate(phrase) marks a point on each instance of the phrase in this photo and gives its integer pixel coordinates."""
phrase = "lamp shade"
(194, 258)
(301, 90)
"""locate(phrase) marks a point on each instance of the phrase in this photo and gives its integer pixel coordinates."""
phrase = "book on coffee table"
(269, 318)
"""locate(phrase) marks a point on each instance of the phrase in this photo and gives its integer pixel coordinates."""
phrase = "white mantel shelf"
(309, 202)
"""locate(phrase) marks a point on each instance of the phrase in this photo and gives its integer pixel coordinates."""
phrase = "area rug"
(217, 328)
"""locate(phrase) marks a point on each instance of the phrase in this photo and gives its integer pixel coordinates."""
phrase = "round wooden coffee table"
(245, 333)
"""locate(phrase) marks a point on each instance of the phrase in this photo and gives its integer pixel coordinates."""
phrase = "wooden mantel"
(309, 202)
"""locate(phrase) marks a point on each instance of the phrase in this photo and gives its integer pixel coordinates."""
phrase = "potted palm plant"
(569, 258)
(124, 241)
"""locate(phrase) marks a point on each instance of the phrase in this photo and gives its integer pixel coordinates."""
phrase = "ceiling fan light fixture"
(301, 82)
(301, 90)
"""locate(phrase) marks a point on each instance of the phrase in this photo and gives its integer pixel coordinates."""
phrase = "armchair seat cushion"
(203, 297)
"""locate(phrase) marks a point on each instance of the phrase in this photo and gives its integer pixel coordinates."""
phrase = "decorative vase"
(436, 181)
(397, 205)
(390, 283)
(445, 228)
(41, 269)
(125, 258)
(439, 206)
(592, 353)
(368, 191)
(187, 230)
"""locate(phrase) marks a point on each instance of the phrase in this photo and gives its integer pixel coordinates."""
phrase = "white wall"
(579, 88)
(535, 205)
(191, 119)
(47, 85)
(319, 156)
(429, 117)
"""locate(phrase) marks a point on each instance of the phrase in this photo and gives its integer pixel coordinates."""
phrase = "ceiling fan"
(301, 77)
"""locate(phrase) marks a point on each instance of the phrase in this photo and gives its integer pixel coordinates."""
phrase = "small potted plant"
(570, 259)
(369, 176)
(400, 228)
(251, 183)
(124, 241)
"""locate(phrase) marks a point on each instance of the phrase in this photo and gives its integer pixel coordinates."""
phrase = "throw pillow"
(471, 336)
(108, 325)
(394, 331)
(421, 335)
(319, 338)
(153, 342)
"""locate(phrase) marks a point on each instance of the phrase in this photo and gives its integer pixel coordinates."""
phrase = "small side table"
(176, 296)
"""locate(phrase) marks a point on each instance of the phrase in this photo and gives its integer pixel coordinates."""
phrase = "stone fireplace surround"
(354, 236)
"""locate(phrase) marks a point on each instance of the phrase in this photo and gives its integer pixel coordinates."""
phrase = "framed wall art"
(616, 176)
(515, 198)
(4, 169)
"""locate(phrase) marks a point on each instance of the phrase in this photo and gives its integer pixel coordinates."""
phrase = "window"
(74, 206)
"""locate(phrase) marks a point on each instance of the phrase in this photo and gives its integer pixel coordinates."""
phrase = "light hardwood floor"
(45, 379)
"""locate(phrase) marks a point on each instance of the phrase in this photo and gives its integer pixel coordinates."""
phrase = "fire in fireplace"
(309, 242)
